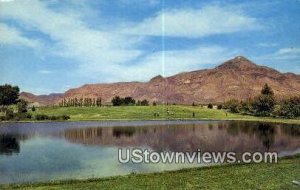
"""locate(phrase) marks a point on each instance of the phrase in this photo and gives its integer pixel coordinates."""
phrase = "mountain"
(42, 99)
(237, 78)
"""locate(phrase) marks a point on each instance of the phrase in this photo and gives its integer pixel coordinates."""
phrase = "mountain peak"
(239, 62)
(157, 78)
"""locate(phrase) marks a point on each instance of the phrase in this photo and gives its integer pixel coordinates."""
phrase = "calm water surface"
(32, 152)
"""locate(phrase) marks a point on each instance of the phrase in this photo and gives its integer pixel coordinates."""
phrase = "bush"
(2, 118)
(210, 106)
(145, 103)
(53, 117)
(117, 101)
(220, 106)
(233, 106)
(290, 108)
(65, 117)
(33, 108)
(263, 105)
(9, 114)
(41, 117)
(22, 106)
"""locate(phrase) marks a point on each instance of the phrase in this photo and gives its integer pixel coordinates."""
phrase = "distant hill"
(236, 78)
(42, 99)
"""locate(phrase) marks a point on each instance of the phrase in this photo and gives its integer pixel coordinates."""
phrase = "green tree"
(116, 101)
(145, 102)
(8, 94)
(33, 108)
(129, 101)
(22, 106)
(232, 105)
(264, 104)
(290, 108)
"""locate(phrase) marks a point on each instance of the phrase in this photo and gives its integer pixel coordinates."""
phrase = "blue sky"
(51, 46)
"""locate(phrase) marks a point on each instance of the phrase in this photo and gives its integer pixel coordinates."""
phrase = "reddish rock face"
(237, 78)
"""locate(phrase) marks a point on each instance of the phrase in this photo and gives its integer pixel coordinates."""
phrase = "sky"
(51, 46)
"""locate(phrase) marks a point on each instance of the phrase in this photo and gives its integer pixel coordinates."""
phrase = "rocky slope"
(237, 78)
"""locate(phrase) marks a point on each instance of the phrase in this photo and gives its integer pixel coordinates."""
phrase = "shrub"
(290, 108)
(9, 114)
(65, 117)
(233, 106)
(53, 117)
(128, 101)
(41, 117)
(210, 106)
(116, 101)
(145, 103)
(220, 106)
(33, 108)
(2, 118)
(22, 106)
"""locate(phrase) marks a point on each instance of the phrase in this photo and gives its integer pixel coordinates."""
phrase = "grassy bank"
(247, 176)
(147, 113)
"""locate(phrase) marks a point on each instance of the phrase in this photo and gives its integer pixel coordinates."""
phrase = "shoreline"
(262, 170)
(258, 119)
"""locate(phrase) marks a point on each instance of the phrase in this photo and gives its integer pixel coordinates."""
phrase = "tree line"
(128, 101)
(265, 105)
(97, 102)
(81, 102)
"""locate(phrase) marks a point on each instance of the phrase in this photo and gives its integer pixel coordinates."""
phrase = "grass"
(147, 113)
(240, 176)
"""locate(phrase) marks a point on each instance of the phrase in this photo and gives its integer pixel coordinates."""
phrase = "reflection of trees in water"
(124, 131)
(292, 130)
(9, 144)
(264, 131)
(218, 136)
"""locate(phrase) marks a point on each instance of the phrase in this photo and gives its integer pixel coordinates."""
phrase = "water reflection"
(9, 144)
(48, 151)
(221, 136)
(216, 136)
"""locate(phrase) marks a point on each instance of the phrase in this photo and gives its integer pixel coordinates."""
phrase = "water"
(31, 152)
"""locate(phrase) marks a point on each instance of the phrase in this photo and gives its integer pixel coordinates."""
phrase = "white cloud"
(284, 59)
(176, 61)
(288, 51)
(72, 38)
(195, 23)
(114, 55)
(12, 36)
(283, 54)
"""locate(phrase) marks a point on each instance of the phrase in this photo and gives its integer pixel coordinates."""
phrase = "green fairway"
(247, 176)
(147, 113)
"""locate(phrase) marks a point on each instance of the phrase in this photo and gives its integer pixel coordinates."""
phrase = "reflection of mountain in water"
(227, 136)
(213, 136)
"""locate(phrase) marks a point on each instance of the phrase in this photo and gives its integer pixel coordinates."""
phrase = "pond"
(31, 152)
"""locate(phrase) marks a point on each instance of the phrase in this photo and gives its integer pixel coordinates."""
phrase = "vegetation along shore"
(282, 175)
